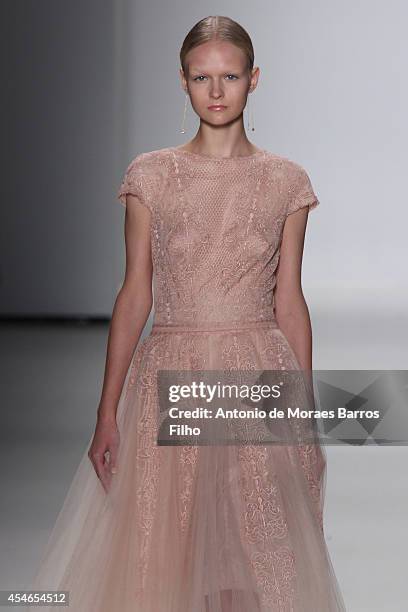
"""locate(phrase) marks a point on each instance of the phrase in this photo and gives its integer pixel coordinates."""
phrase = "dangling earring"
(250, 113)
(183, 130)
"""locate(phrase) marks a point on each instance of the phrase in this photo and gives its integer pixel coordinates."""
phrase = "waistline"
(212, 326)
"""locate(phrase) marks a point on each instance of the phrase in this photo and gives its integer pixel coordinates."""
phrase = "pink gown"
(224, 528)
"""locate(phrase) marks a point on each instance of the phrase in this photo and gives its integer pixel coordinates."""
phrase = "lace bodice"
(216, 230)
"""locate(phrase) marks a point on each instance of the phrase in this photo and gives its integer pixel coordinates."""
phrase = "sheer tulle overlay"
(227, 528)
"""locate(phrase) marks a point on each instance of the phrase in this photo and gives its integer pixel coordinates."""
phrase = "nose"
(216, 91)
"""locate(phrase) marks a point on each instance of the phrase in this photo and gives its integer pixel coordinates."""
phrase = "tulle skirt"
(222, 528)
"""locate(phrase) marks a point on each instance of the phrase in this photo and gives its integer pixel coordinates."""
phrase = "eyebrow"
(193, 68)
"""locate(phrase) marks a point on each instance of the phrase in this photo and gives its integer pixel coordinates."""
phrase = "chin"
(220, 117)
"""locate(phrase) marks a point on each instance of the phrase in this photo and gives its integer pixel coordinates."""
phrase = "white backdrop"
(331, 96)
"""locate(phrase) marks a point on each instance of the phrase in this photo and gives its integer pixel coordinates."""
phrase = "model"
(218, 225)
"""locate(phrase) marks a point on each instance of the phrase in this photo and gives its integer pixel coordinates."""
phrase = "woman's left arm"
(291, 310)
(292, 315)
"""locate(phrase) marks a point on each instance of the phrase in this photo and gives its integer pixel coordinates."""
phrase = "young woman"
(195, 528)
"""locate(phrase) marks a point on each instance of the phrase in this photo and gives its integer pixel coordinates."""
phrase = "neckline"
(218, 157)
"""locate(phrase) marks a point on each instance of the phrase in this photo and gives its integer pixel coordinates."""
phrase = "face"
(218, 81)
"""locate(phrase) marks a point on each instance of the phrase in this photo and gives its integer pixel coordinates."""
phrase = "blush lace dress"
(201, 528)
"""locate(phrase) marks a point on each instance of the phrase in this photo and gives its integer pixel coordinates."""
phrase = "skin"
(216, 73)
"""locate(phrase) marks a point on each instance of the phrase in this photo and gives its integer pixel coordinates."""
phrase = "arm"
(291, 310)
(130, 313)
(293, 318)
(132, 306)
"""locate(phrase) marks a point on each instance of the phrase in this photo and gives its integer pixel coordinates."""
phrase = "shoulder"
(293, 182)
(150, 166)
(289, 168)
(144, 177)
(148, 162)
(292, 176)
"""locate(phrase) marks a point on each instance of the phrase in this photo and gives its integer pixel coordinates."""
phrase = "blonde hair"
(217, 27)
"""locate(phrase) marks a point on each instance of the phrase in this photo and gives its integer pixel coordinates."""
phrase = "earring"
(250, 114)
(183, 130)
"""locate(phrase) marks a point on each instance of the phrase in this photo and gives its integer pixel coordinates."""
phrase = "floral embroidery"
(237, 355)
(187, 467)
(147, 462)
(216, 230)
(275, 571)
(264, 518)
(215, 237)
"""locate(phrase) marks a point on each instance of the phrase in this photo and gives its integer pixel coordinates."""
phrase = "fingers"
(113, 457)
(103, 453)
(105, 465)
(97, 459)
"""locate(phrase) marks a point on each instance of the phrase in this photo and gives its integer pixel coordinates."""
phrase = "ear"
(183, 80)
(254, 78)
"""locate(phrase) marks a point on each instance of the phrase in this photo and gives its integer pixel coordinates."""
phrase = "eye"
(198, 78)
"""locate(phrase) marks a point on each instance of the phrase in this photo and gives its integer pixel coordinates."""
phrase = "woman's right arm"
(130, 313)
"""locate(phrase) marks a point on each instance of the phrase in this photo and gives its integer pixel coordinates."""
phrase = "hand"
(105, 441)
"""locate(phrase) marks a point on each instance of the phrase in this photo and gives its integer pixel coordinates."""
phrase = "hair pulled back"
(217, 27)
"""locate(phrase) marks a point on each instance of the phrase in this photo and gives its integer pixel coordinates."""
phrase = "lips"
(216, 107)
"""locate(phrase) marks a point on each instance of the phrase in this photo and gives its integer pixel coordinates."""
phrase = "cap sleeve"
(302, 194)
(136, 181)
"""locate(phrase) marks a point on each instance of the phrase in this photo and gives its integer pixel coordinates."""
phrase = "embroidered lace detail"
(147, 463)
(264, 518)
(187, 468)
(313, 463)
(275, 571)
(216, 229)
